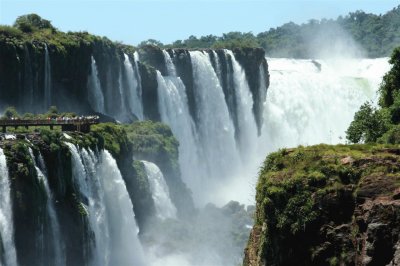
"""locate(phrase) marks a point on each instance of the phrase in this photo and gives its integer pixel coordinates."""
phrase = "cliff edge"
(328, 205)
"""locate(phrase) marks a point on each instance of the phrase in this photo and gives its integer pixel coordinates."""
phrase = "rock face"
(24, 75)
(328, 205)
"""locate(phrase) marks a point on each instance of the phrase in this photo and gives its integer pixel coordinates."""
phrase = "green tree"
(151, 42)
(368, 124)
(391, 81)
(30, 22)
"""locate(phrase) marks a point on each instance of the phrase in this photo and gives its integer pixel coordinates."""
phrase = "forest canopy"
(374, 35)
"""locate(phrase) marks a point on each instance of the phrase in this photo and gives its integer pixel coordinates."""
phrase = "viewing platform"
(81, 124)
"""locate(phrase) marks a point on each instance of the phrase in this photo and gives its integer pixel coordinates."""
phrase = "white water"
(133, 90)
(244, 104)
(159, 191)
(123, 115)
(125, 245)
(139, 86)
(306, 106)
(95, 94)
(217, 65)
(109, 208)
(174, 110)
(59, 253)
(6, 216)
(47, 79)
(216, 131)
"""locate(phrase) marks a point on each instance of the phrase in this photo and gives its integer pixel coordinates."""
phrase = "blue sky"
(132, 21)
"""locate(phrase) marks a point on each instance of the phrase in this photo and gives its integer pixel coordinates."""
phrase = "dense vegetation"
(32, 28)
(376, 34)
(382, 123)
(314, 196)
(369, 34)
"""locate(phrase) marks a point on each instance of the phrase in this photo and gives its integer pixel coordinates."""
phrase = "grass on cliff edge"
(291, 180)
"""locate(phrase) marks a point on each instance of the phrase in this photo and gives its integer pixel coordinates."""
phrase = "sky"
(132, 21)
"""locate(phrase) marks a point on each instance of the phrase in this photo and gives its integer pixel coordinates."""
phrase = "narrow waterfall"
(58, 245)
(247, 127)
(173, 106)
(28, 79)
(8, 255)
(109, 208)
(134, 96)
(47, 79)
(215, 128)
(123, 114)
(159, 190)
(169, 64)
(89, 187)
(218, 69)
(124, 246)
(95, 94)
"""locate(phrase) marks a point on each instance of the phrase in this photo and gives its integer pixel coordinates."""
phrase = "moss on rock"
(317, 206)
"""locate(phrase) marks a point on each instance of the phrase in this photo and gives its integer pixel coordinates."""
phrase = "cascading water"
(215, 128)
(28, 86)
(174, 110)
(244, 101)
(134, 88)
(123, 112)
(125, 247)
(47, 79)
(59, 254)
(159, 190)
(8, 257)
(95, 94)
(109, 208)
(313, 102)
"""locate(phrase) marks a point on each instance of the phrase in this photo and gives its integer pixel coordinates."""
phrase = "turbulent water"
(314, 102)
(159, 191)
(8, 257)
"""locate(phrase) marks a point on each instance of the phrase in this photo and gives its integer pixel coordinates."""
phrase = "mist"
(331, 41)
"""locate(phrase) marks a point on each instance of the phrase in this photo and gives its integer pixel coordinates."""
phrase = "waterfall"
(244, 100)
(88, 185)
(47, 79)
(169, 64)
(95, 94)
(309, 103)
(28, 79)
(59, 253)
(109, 208)
(217, 66)
(125, 245)
(123, 112)
(134, 88)
(159, 191)
(9, 257)
(174, 110)
(215, 128)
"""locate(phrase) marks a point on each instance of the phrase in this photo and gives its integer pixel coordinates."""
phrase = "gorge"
(133, 194)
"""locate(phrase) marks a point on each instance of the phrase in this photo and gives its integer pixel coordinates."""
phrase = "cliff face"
(328, 205)
(49, 152)
(60, 65)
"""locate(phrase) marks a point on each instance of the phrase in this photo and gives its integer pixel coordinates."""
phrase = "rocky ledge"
(328, 205)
